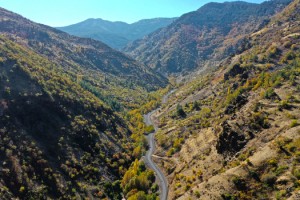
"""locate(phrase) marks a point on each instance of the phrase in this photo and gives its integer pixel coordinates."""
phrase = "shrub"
(138, 196)
(294, 123)
(196, 106)
(273, 162)
(269, 94)
(239, 183)
(258, 120)
(149, 129)
(281, 169)
(179, 111)
(178, 185)
(280, 194)
(197, 194)
(254, 175)
(284, 105)
(296, 173)
(187, 187)
(22, 189)
(273, 51)
(269, 179)
(229, 197)
(171, 152)
(154, 188)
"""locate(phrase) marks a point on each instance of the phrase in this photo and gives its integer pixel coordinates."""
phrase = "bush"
(138, 196)
(284, 105)
(239, 183)
(197, 194)
(187, 187)
(273, 51)
(269, 179)
(154, 188)
(171, 152)
(229, 197)
(196, 106)
(296, 173)
(149, 129)
(280, 194)
(254, 175)
(294, 123)
(269, 94)
(280, 170)
(259, 120)
(179, 111)
(22, 189)
(273, 162)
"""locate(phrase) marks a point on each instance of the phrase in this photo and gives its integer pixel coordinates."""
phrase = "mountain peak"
(100, 20)
(217, 5)
(116, 34)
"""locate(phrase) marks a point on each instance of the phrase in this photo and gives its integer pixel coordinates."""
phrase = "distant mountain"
(116, 34)
(204, 37)
(60, 134)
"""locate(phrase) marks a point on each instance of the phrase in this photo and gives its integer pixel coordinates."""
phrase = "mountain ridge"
(50, 118)
(233, 133)
(198, 38)
(83, 56)
(116, 34)
(63, 101)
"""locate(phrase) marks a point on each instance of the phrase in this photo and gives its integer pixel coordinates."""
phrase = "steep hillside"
(116, 34)
(203, 38)
(234, 133)
(112, 76)
(60, 134)
(57, 139)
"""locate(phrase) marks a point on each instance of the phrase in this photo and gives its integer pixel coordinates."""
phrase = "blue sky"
(66, 12)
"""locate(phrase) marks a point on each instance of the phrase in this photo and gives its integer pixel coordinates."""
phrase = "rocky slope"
(116, 34)
(234, 133)
(203, 38)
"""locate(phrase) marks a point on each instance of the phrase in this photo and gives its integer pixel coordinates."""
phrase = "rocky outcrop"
(234, 71)
(230, 140)
(237, 103)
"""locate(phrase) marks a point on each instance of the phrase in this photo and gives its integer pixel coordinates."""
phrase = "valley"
(204, 106)
(163, 183)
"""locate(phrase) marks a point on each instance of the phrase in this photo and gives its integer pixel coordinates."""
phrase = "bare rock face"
(230, 141)
(234, 71)
(238, 103)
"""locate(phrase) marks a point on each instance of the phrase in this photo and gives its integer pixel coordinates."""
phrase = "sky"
(65, 12)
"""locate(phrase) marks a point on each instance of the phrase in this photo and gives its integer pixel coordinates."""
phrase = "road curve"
(163, 183)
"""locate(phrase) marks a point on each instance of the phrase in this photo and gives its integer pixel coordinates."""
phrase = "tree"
(179, 111)
(196, 106)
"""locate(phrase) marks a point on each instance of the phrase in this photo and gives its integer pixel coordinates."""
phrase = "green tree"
(196, 106)
(179, 111)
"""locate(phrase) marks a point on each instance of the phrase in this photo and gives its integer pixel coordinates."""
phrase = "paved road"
(163, 183)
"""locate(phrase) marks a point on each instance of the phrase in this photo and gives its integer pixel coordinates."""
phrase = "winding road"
(163, 183)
